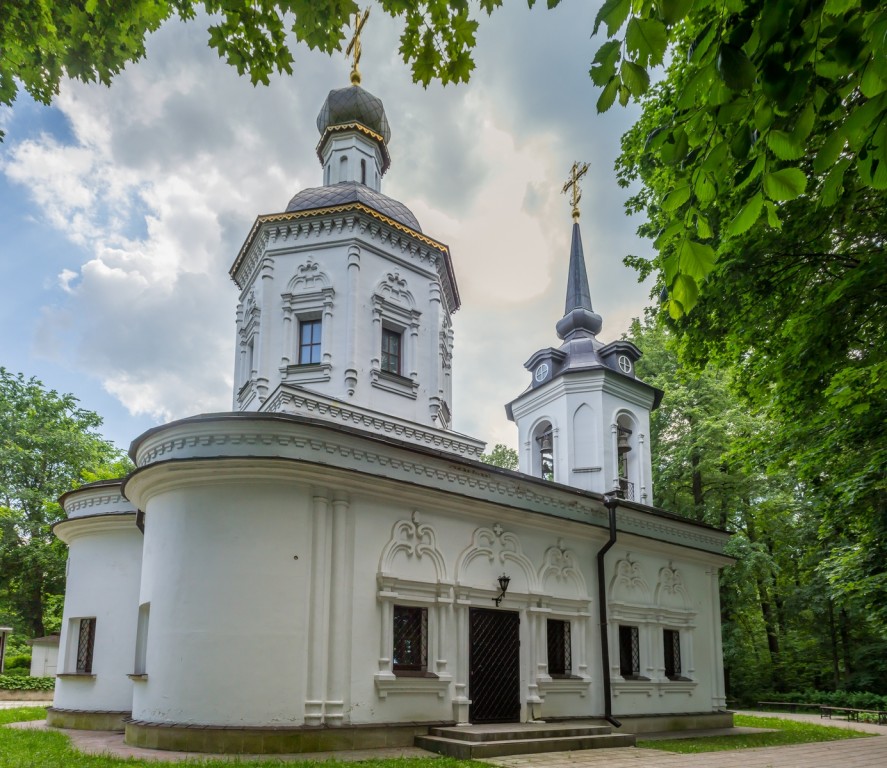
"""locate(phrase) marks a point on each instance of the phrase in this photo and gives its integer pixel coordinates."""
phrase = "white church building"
(329, 565)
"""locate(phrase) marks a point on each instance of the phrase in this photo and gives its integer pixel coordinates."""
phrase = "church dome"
(354, 105)
(353, 192)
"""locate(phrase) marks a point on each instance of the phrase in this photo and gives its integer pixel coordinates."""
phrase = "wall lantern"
(504, 581)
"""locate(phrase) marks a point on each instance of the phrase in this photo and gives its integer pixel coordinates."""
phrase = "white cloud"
(166, 171)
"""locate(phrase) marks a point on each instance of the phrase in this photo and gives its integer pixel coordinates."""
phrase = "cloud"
(160, 177)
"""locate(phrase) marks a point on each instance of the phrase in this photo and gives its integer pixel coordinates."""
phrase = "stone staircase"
(498, 740)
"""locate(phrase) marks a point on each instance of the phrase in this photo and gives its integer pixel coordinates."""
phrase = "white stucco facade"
(103, 571)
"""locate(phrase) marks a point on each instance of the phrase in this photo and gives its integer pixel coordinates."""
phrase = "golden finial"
(354, 45)
(576, 172)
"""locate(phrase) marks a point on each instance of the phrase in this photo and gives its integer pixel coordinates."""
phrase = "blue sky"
(121, 210)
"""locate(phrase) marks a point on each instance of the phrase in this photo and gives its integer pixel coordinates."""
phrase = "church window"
(391, 351)
(629, 652)
(560, 656)
(672, 642)
(623, 447)
(363, 171)
(85, 645)
(142, 639)
(309, 341)
(624, 364)
(410, 639)
(546, 455)
(343, 168)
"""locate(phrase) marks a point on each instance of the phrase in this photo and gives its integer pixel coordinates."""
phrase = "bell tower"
(584, 420)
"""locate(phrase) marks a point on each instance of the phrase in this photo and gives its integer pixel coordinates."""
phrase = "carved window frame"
(398, 316)
(309, 297)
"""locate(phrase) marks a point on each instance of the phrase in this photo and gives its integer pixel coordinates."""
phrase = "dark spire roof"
(579, 318)
(352, 192)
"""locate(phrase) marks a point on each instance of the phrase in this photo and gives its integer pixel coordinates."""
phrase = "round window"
(624, 364)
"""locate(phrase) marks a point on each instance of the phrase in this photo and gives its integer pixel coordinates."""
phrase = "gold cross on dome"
(354, 45)
(576, 172)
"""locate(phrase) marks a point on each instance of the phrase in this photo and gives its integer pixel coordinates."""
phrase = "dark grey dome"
(352, 192)
(354, 105)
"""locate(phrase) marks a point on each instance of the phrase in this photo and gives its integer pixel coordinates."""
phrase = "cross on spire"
(576, 172)
(354, 45)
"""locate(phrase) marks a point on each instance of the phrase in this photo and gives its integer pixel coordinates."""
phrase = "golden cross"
(354, 45)
(576, 172)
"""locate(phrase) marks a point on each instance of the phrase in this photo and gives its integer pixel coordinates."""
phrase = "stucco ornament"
(670, 591)
(559, 575)
(412, 540)
(629, 584)
(493, 551)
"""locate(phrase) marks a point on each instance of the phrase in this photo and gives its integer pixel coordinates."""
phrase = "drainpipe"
(610, 502)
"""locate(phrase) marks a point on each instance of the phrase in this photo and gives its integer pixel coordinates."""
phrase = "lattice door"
(494, 678)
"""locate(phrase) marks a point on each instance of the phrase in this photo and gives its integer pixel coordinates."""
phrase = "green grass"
(52, 749)
(20, 714)
(786, 732)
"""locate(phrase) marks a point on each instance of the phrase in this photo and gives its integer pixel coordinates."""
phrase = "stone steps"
(497, 741)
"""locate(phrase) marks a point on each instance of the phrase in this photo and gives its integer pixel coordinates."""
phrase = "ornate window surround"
(394, 308)
(308, 296)
(250, 325)
(651, 617)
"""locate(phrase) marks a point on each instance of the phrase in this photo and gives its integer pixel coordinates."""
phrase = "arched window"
(542, 446)
(343, 168)
(363, 171)
(626, 457)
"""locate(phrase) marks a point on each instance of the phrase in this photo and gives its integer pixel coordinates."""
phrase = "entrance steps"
(474, 741)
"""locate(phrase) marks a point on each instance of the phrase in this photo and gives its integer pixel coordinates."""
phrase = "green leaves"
(734, 68)
(747, 216)
(787, 184)
(613, 14)
(646, 40)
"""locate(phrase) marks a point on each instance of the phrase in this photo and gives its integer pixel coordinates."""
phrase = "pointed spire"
(579, 317)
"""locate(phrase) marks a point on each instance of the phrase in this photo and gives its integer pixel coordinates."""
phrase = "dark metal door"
(494, 676)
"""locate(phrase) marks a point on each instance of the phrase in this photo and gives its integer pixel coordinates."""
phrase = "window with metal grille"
(391, 351)
(85, 643)
(410, 639)
(309, 342)
(672, 641)
(560, 655)
(629, 652)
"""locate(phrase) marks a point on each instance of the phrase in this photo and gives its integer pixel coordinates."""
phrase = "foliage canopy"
(48, 445)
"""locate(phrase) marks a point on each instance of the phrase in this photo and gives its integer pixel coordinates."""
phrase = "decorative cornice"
(75, 527)
(289, 400)
(342, 127)
(337, 448)
(337, 217)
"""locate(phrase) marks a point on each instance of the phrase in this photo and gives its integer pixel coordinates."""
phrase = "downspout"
(610, 502)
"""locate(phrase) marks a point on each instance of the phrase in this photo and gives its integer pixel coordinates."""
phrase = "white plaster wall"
(44, 659)
(103, 582)
(227, 632)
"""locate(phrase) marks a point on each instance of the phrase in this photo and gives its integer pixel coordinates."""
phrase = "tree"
(501, 456)
(769, 101)
(93, 40)
(48, 445)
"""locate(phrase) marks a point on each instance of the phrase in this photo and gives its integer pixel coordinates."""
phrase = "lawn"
(787, 732)
(52, 749)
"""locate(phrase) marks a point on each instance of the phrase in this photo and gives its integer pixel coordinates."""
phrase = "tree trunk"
(833, 640)
(844, 625)
(698, 497)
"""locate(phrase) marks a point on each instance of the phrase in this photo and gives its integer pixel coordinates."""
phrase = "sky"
(122, 209)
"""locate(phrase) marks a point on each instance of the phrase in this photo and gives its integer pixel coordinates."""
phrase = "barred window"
(560, 656)
(410, 639)
(391, 351)
(629, 652)
(85, 644)
(672, 641)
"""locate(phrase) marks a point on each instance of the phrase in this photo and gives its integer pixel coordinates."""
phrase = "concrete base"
(86, 720)
(684, 722)
(26, 695)
(270, 740)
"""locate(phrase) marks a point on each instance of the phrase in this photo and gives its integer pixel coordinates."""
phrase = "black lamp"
(504, 581)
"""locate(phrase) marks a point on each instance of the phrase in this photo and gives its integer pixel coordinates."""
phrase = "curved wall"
(104, 565)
